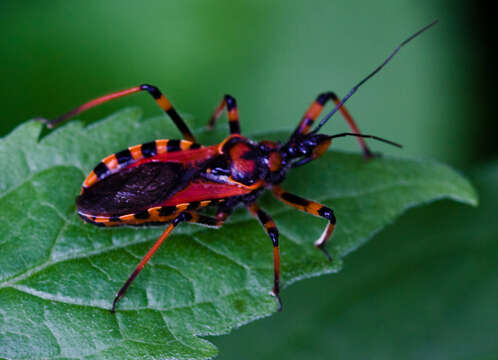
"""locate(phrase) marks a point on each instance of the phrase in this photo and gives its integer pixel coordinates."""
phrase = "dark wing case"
(134, 189)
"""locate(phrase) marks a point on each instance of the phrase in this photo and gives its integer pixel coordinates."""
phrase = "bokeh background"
(436, 98)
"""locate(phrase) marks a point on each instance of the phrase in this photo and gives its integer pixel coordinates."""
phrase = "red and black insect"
(170, 181)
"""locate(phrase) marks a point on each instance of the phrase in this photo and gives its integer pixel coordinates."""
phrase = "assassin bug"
(169, 181)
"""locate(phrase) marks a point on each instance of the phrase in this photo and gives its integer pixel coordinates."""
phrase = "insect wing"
(131, 189)
(147, 176)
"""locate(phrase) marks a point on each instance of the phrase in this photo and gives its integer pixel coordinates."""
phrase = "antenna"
(355, 88)
(366, 136)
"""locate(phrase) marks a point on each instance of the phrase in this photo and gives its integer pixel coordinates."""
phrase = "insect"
(171, 181)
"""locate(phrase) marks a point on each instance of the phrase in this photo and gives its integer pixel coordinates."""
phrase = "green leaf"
(426, 287)
(58, 276)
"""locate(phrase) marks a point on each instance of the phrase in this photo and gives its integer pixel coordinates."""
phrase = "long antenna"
(366, 136)
(355, 88)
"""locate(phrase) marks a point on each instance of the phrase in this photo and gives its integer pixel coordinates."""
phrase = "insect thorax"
(249, 162)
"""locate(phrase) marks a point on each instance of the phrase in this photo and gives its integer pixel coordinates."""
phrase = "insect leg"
(182, 217)
(314, 112)
(205, 220)
(161, 100)
(310, 207)
(233, 115)
(272, 232)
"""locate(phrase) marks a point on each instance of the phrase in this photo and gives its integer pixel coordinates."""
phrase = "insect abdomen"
(139, 153)
(151, 216)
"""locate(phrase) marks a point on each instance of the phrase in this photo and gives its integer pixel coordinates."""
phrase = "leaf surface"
(426, 287)
(58, 275)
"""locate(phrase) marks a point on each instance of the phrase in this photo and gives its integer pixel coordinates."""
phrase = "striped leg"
(191, 217)
(233, 115)
(314, 112)
(313, 208)
(161, 100)
(272, 232)
(205, 220)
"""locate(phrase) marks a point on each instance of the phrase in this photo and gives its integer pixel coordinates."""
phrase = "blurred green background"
(275, 57)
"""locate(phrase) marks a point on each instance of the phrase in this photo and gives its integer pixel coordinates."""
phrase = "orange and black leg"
(314, 112)
(161, 100)
(313, 208)
(233, 115)
(272, 232)
(191, 217)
